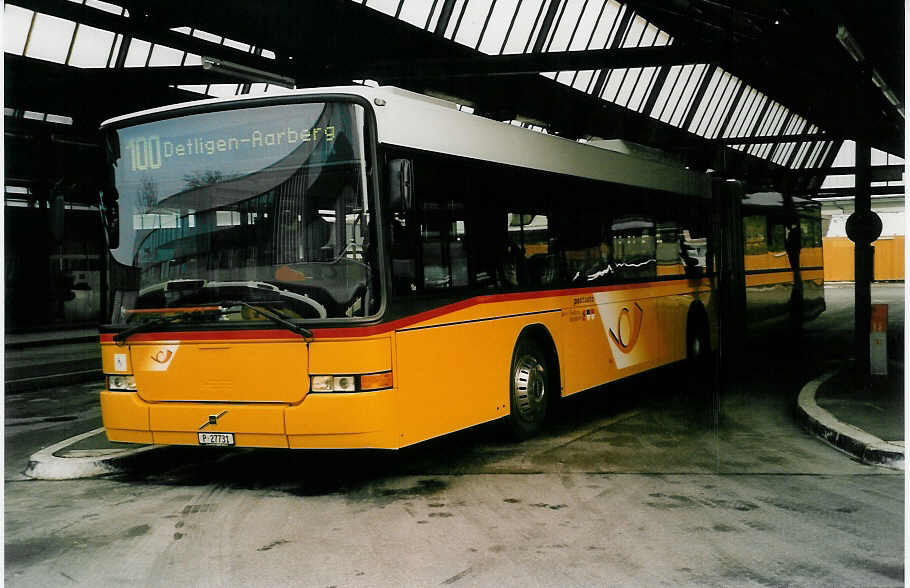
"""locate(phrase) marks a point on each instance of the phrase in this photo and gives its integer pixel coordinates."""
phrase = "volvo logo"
(213, 419)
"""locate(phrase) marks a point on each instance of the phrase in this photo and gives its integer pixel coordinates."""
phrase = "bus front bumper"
(322, 421)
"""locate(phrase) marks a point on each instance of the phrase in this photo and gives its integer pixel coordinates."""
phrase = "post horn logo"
(635, 317)
(163, 356)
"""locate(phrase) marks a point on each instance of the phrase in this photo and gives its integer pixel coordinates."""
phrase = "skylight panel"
(197, 88)
(454, 19)
(164, 56)
(192, 59)
(59, 119)
(636, 32)
(385, 6)
(223, 90)
(105, 6)
(50, 38)
(138, 53)
(91, 47)
(206, 36)
(606, 27)
(707, 105)
(237, 45)
(16, 24)
(586, 24)
(471, 22)
(526, 22)
(566, 28)
(415, 12)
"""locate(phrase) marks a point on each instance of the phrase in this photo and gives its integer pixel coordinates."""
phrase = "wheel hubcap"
(530, 382)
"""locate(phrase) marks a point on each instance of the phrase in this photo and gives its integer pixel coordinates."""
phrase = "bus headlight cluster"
(351, 383)
(121, 383)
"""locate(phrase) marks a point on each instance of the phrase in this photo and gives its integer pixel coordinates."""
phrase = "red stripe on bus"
(386, 327)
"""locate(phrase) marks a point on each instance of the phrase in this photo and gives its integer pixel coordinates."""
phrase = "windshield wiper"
(275, 318)
(160, 321)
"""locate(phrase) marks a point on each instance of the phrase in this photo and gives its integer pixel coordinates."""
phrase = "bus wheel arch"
(534, 381)
(698, 333)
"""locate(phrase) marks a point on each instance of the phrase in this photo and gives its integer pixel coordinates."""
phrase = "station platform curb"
(864, 446)
(55, 463)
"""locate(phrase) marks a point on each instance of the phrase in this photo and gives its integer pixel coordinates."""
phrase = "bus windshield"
(266, 205)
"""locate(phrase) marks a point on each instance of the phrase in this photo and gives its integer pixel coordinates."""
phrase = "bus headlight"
(121, 383)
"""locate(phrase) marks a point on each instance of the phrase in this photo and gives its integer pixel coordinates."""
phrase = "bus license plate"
(216, 438)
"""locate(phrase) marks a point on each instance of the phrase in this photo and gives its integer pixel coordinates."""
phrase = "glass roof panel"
(112, 56)
(91, 47)
(386, 6)
(138, 53)
(707, 105)
(105, 6)
(192, 59)
(415, 12)
(455, 18)
(50, 38)
(236, 45)
(162, 55)
(636, 32)
(497, 27)
(525, 23)
(567, 26)
(642, 87)
(16, 23)
(472, 19)
(587, 22)
(206, 36)
(198, 88)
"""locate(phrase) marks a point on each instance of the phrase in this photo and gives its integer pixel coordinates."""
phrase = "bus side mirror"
(110, 216)
(401, 185)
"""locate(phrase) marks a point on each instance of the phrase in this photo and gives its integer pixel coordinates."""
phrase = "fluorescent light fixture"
(246, 73)
(850, 44)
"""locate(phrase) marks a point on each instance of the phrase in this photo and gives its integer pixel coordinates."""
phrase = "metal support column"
(864, 220)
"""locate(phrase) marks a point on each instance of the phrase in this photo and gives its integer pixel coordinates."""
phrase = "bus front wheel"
(529, 379)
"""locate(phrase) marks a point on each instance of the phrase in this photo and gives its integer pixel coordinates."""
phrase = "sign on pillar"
(878, 340)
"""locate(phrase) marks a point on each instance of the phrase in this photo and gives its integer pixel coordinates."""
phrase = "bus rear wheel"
(699, 365)
(529, 381)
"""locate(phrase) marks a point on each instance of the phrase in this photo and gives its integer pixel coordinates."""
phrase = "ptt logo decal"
(625, 330)
(625, 339)
(160, 359)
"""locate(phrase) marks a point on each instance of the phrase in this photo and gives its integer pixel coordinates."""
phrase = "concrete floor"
(629, 486)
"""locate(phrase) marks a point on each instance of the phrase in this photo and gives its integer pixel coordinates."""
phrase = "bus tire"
(699, 364)
(530, 377)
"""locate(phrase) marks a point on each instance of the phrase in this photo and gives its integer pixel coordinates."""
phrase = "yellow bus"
(370, 268)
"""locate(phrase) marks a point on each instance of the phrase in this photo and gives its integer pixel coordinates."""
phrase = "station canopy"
(761, 90)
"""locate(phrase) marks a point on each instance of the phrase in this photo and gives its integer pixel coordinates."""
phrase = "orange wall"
(889, 259)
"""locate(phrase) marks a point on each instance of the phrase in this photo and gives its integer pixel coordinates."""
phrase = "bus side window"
(529, 243)
(442, 236)
(634, 247)
(777, 235)
(755, 235)
(404, 257)
(584, 244)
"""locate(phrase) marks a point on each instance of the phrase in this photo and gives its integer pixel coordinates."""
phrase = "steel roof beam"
(775, 139)
(508, 65)
(135, 26)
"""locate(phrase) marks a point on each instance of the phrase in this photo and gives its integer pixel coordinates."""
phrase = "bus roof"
(411, 120)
